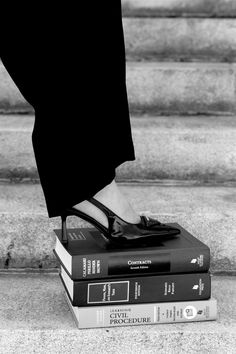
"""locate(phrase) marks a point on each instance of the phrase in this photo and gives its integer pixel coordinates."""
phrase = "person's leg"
(76, 83)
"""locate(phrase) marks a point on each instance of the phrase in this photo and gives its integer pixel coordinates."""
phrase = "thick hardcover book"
(143, 314)
(86, 257)
(142, 289)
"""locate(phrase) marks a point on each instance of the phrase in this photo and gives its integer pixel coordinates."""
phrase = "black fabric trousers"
(70, 65)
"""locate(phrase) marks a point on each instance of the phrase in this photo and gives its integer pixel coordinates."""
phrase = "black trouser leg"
(75, 79)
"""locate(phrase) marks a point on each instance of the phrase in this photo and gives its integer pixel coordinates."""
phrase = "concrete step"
(27, 240)
(180, 39)
(10, 97)
(35, 318)
(163, 88)
(182, 148)
(181, 87)
(178, 8)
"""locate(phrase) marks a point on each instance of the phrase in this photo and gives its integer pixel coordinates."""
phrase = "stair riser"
(181, 88)
(177, 8)
(166, 148)
(164, 88)
(179, 39)
(11, 99)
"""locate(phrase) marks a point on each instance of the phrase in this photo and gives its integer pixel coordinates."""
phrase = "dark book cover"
(87, 257)
(138, 290)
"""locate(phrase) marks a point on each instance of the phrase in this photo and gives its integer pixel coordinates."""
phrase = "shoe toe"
(154, 226)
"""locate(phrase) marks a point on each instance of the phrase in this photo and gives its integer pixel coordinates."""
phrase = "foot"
(112, 197)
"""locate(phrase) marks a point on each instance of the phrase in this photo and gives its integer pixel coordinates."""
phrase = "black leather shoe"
(120, 231)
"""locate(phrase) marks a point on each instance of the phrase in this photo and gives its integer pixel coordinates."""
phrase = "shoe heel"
(64, 237)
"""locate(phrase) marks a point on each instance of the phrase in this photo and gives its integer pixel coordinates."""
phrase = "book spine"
(146, 314)
(91, 266)
(98, 266)
(160, 288)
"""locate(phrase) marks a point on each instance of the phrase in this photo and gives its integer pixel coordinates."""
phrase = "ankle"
(107, 193)
(113, 198)
(91, 210)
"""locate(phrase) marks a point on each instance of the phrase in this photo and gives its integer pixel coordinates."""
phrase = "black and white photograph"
(118, 177)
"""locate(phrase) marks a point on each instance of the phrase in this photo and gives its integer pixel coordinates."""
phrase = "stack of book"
(163, 282)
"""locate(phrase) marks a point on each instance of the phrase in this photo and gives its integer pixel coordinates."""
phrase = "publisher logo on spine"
(190, 312)
(199, 287)
(198, 260)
